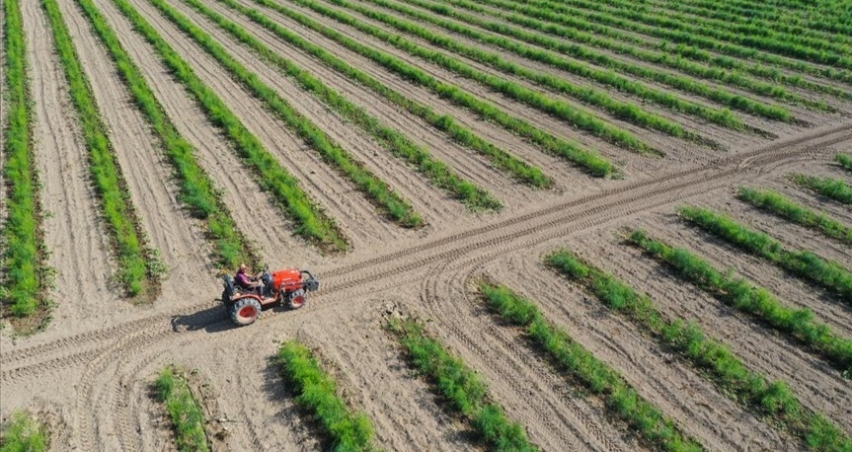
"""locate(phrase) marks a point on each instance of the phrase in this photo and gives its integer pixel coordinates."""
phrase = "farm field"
(537, 224)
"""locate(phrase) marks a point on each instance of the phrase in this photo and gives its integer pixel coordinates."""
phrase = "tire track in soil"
(667, 187)
(559, 420)
(517, 233)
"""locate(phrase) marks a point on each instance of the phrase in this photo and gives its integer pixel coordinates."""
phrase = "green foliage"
(779, 205)
(316, 393)
(713, 359)
(461, 388)
(22, 434)
(196, 189)
(805, 264)
(187, 418)
(110, 187)
(588, 160)
(22, 258)
(310, 222)
(845, 161)
(835, 189)
(376, 190)
(745, 296)
(464, 136)
(394, 140)
(620, 399)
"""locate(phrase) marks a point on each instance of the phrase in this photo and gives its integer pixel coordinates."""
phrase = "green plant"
(805, 264)
(173, 391)
(745, 296)
(197, 191)
(311, 222)
(753, 390)
(23, 434)
(394, 140)
(845, 161)
(23, 254)
(316, 393)
(619, 398)
(835, 189)
(461, 388)
(779, 205)
(110, 187)
(588, 160)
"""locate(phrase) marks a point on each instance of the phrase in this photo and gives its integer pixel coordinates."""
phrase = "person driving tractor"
(246, 281)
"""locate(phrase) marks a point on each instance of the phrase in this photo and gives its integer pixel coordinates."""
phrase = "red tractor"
(288, 287)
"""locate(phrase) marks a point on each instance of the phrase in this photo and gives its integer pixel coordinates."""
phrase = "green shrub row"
(779, 205)
(504, 161)
(172, 390)
(575, 50)
(743, 295)
(722, 117)
(464, 392)
(835, 189)
(709, 37)
(535, 99)
(311, 223)
(845, 161)
(589, 160)
(794, 46)
(21, 433)
(805, 264)
(196, 189)
(316, 393)
(724, 69)
(376, 190)
(397, 142)
(23, 256)
(621, 400)
(137, 266)
(692, 45)
(771, 399)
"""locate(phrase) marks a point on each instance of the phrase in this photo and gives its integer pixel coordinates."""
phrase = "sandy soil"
(100, 354)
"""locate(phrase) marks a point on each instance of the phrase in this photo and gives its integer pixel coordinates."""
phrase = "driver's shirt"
(242, 280)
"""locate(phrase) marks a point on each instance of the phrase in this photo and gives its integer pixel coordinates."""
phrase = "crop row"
(23, 277)
(556, 108)
(753, 390)
(316, 394)
(823, 21)
(752, 25)
(721, 117)
(196, 189)
(173, 391)
(574, 49)
(845, 161)
(586, 159)
(562, 23)
(310, 222)
(138, 269)
(765, 39)
(438, 172)
(23, 433)
(691, 45)
(459, 385)
(376, 190)
(697, 34)
(779, 205)
(745, 296)
(805, 264)
(510, 164)
(621, 400)
(829, 187)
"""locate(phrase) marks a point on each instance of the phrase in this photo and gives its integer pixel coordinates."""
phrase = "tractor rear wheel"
(245, 311)
(296, 299)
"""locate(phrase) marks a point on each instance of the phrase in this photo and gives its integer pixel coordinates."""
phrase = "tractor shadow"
(213, 319)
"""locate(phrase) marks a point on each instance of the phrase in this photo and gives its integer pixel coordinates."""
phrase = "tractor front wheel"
(296, 299)
(245, 311)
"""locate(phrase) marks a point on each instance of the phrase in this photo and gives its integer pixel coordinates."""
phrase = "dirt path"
(73, 232)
